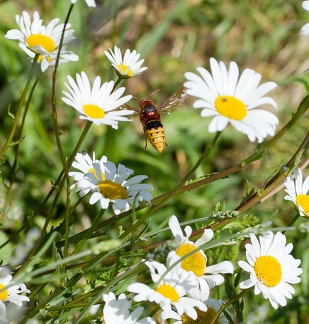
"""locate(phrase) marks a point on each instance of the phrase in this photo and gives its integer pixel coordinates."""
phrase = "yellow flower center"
(4, 294)
(41, 40)
(303, 201)
(202, 317)
(168, 292)
(124, 70)
(94, 111)
(112, 190)
(196, 262)
(268, 270)
(231, 107)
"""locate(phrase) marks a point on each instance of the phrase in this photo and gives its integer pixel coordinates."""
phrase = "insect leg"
(145, 137)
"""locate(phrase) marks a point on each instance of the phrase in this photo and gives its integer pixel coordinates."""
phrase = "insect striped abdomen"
(156, 134)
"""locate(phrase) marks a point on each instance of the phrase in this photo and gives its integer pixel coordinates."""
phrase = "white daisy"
(111, 184)
(127, 67)
(90, 3)
(35, 38)
(206, 276)
(117, 311)
(297, 192)
(272, 269)
(213, 305)
(305, 29)
(10, 292)
(84, 164)
(231, 100)
(98, 104)
(170, 291)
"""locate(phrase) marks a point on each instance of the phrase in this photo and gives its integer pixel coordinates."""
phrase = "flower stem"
(89, 232)
(117, 82)
(174, 191)
(54, 97)
(225, 305)
(295, 218)
(16, 148)
(57, 132)
(57, 185)
(19, 107)
(303, 107)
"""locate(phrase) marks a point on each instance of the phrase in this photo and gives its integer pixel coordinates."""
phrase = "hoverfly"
(150, 117)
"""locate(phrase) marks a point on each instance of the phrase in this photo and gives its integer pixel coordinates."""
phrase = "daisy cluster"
(222, 93)
(182, 287)
(101, 103)
(97, 103)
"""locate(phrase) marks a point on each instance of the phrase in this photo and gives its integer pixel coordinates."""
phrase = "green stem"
(70, 161)
(174, 191)
(54, 97)
(200, 161)
(250, 201)
(19, 108)
(16, 148)
(67, 217)
(271, 184)
(303, 107)
(225, 305)
(60, 180)
(61, 289)
(57, 133)
(58, 184)
(258, 154)
(295, 218)
(120, 78)
(89, 232)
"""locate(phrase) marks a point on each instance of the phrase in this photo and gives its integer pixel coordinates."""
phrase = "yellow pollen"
(40, 58)
(231, 107)
(268, 270)
(41, 40)
(91, 170)
(94, 111)
(124, 70)
(202, 317)
(303, 201)
(168, 292)
(112, 190)
(196, 262)
(4, 294)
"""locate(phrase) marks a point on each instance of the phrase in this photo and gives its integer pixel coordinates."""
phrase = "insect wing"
(174, 101)
(127, 107)
(170, 104)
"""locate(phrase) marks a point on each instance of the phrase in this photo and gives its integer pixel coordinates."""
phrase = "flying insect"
(150, 117)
